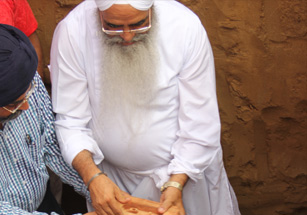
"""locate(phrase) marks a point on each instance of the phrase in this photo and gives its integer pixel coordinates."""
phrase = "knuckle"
(107, 200)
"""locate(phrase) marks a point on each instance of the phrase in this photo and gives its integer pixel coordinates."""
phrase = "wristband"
(95, 176)
(171, 184)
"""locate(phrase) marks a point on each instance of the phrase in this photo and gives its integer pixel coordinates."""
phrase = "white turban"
(137, 4)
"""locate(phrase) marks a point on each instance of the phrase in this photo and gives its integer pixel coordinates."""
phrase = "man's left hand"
(169, 198)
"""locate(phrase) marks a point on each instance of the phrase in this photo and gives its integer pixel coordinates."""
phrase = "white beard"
(129, 77)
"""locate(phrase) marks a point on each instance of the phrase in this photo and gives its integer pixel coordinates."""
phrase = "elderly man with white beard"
(133, 87)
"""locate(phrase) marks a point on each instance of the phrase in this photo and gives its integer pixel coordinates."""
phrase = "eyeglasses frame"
(136, 31)
(28, 95)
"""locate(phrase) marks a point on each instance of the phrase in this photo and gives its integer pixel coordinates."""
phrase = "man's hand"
(172, 196)
(106, 196)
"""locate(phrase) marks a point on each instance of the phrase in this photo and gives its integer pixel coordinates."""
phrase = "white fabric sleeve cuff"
(77, 143)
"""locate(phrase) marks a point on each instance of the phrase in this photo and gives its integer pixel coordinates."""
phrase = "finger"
(164, 206)
(175, 211)
(100, 211)
(122, 197)
(181, 210)
(116, 208)
(162, 198)
(103, 209)
(109, 211)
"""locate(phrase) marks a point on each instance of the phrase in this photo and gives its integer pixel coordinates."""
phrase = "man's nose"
(127, 35)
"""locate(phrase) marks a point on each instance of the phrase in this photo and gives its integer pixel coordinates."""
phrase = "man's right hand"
(105, 194)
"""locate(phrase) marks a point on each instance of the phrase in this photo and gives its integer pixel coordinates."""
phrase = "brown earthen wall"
(261, 63)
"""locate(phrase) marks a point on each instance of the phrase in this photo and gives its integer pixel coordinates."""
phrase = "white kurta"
(183, 134)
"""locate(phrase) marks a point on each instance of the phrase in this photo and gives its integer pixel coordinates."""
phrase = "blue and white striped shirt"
(27, 145)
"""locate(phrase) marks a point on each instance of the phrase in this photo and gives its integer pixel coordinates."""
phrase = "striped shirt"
(27, 145)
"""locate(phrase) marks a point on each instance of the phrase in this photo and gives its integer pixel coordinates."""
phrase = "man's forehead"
(123, 13)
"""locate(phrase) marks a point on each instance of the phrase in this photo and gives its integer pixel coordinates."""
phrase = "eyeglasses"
(28, 94)
(136, 31)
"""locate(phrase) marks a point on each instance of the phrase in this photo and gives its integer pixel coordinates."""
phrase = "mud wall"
(261, 63)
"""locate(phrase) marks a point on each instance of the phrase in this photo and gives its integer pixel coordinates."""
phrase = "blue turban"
(18, 64)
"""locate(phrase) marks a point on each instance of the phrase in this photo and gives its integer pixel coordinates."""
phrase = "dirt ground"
(261, 63)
